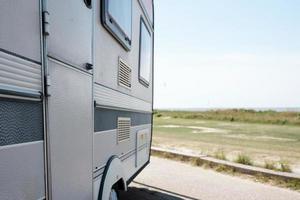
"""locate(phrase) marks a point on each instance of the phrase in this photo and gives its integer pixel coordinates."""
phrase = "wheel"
(113, 194)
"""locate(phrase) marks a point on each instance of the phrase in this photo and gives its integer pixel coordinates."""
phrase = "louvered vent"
(123, 130)
(124, 76)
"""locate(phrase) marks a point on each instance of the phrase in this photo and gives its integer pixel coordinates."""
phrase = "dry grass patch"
(220, 155)
(243, 159)
(285, 166)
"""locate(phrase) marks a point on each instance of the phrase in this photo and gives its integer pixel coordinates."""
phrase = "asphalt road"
(170, 180)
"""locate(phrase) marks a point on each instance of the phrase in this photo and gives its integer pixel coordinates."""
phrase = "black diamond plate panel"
(20, 122)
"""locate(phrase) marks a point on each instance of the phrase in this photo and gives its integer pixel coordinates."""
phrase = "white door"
(70, 104)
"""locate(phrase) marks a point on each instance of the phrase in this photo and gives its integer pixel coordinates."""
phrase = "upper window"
(145, 61)
(148, 6)
(116, 17)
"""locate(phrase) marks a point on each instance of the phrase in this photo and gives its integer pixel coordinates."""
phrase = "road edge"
(201, 160)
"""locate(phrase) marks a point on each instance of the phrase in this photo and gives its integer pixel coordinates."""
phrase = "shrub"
(285, 166)
(270, 165)
(220, 155)
(158, 115)
(243, 159)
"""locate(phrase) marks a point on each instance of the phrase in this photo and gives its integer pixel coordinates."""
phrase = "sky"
(227, 53)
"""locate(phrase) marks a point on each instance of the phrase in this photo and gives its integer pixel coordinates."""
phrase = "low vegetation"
(239, 115)
(243, 159)
(270, 165)
(277, 181)
(265, 139)
(220, 155)
(285, 166)
(282, 166)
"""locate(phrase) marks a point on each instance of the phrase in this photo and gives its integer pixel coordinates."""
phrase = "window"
(116, 18)
(145, 60)
(148, 7)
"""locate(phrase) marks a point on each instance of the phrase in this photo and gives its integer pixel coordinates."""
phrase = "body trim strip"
(20, 144)
(124, 157)
(20, 92)
(106, 119)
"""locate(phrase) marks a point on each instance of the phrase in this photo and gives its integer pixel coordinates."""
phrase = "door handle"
(88, 66)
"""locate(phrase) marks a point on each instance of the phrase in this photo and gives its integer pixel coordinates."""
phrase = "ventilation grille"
(123, 130)
(124, 77)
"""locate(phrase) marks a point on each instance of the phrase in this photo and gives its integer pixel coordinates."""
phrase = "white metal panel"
(142, 154)
(108, 97)
(70, 130)
(22, 171)
(142, 157)
(20, 27)
(105, 145)
(70, 38)
(96, 186)
(108, 51)
(19, 73)
(129, 164)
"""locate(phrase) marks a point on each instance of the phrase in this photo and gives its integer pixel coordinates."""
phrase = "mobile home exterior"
(76, 96)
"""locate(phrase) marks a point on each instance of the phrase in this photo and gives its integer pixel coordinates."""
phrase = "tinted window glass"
(145, 54)
(120, 11)
(116, 17)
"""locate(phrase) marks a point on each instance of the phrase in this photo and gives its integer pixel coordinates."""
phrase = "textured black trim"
(19, 56)
(106, 119)
(20, 121)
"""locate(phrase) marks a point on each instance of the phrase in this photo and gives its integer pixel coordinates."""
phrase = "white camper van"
(76, 93)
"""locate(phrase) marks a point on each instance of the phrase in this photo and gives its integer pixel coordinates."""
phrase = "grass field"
(266, 143)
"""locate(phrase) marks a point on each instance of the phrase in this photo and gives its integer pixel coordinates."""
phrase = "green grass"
(220, 155)
(240, 115)
(259, 141)
(243, 159)
(285, 166)
(273, 180)
(270, 165)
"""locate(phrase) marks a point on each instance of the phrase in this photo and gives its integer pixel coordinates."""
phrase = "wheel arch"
(113, 175)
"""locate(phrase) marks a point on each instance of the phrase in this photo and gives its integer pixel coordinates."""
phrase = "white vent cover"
(123, 130)
(124, 76)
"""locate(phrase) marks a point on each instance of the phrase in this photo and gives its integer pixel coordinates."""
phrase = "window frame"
(147, 14)
(142, 80)
(112, 26)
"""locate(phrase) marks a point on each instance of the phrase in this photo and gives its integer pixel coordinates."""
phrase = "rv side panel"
(22, 174)
(20, 28)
